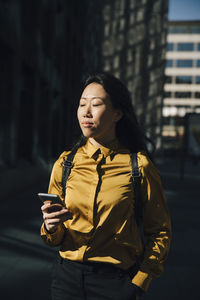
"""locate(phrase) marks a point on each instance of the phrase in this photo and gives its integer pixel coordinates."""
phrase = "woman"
(100, 243)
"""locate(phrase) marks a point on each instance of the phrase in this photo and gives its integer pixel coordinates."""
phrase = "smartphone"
(56, 202)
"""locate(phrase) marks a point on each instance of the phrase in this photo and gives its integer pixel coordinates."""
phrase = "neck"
(99, 143)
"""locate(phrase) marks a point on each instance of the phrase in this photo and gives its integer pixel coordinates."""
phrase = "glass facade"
(177, 29)
(184, 63)
(184, 29)
(197, 95)
(197, 79)
(194, 29)
(168, 79)
(167, 94)
(170, 47)
(169, 63)
(185, 46)
(184, 79)
(183, 94)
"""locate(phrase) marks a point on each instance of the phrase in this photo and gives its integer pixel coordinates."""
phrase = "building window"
(183, 95)
(170, 46)
(177, 29)
(197, 79)
(197, 95)
(198, 63)
(194, 29)
(184, 79)
(184, 29)
(185, 47)
(166, 120)
(167, 94)
(184, 63)
(169, 63)
(168, 79)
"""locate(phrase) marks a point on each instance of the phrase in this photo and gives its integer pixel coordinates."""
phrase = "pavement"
(26, 262)
(180, 278)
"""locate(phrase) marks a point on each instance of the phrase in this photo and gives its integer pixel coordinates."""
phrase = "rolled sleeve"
(142, 280)
(157, 225)
(53, 239)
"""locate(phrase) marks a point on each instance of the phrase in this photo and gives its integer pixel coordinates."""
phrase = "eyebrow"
(85, 98)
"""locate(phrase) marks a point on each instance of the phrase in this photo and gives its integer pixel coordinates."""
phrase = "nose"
(87, 111)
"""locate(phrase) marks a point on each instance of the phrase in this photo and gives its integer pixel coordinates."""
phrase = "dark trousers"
(91, 281)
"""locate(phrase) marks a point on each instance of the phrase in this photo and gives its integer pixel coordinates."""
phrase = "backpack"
(136, 179)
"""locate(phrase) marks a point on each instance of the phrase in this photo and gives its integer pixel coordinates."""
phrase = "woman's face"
(96, 115)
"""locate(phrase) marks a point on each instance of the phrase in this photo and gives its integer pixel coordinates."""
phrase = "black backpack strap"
(67, 165)
(136, 180)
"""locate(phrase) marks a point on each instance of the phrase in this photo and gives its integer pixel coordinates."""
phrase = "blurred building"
(134, 39)
(47, 46)
(182, 86)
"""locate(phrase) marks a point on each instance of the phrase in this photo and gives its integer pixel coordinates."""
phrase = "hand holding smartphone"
(56, 203)
(54, 214)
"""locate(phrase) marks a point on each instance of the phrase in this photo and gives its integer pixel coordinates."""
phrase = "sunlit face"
(96, 115)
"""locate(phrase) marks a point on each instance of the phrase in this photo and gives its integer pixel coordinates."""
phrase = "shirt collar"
(107, 150)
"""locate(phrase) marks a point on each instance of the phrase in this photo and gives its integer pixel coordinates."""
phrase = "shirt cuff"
(142, 280)
(52, 239)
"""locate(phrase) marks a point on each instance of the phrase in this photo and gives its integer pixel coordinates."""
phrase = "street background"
(46, 47)
(26, 261)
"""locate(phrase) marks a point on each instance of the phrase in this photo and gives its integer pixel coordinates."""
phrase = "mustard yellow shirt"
(99, 193)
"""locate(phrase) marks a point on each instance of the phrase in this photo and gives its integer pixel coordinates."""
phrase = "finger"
(61, 219)
(58, 214)
(45, 206)
(53, 222)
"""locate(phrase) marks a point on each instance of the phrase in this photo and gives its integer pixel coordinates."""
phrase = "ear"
(118, 115)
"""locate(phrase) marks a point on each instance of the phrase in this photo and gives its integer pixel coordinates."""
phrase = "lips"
(87, 124)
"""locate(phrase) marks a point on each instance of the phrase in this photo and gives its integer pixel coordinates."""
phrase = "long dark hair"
(128, 130)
